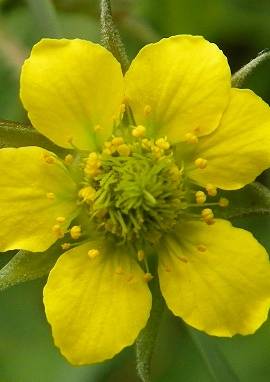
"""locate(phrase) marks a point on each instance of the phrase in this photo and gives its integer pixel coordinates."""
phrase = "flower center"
(134, 190)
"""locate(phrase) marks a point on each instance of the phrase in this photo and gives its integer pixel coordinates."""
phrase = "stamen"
(147, 110)
(211, 189)
(167, 269)
(182, 258)
(207, 216)
(138, 131)
(106, 151)
(130, 277)
(60, 219)
(88, 194)
(75, 232)
(140, 255)
(123, 150)
(69, 159)
(191, 138)
(119, 270)
(163, 143)
(122, 108)
(65, 246)
(58, 230)
(93, 253)
(200, 163)
(117, 141)
(49, 158)
(201, 247)
(93, 165)
(50, 195)
(223, 202)
(146, 144)
(148, 277)
(200, 197)
(175, 173)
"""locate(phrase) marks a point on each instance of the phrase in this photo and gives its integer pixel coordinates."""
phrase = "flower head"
(150, 151)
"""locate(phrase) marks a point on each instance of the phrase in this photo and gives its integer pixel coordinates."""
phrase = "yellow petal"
(72, 90)
(33, 194)
(178, 85)
(217, 278)
(97, 301)
(239, 149)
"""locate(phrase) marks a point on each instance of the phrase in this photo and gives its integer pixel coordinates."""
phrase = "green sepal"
(253, 199)
(239, 78)
(26, 266)
(15, 134)
(110, 37)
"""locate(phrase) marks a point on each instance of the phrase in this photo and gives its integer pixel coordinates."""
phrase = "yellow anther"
(75, 232)
(201, 247)
(211, 190)
(207, 213)
(223, 202)
(208, 216)
(58, 231)
(138, 131)
(141, 255)
(60, 219)
(117, 141)
(93, 164)
(119, 270)
(162, 143)
(191, 138)
(167, 269)
(157, 151)
(50, 195)
(148, 277)
(49, 158)
(122, 108)
(200, 197)
(123, 150)
(87, 194)
(146, 144)
(93, 253)
(200, 163)
(65, 246)
(183, 259)
(97, 128)
(69, 159)
(130, 277)
(108, 144)
(147, 110)
(106, 151)
(175, 173)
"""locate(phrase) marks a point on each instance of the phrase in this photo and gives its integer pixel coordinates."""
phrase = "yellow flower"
(137, 188)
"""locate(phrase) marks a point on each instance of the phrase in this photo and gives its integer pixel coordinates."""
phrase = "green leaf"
(15, 134)
(253, 199)
(241, 75)
(26, 266)
(215, 361)
(110, 36)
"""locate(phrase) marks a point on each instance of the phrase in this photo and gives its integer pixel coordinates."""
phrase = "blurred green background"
(241, 28)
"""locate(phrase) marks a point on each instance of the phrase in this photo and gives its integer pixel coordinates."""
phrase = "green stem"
(46, 17)
(241, 75)
(110, 36)
(146, 340)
